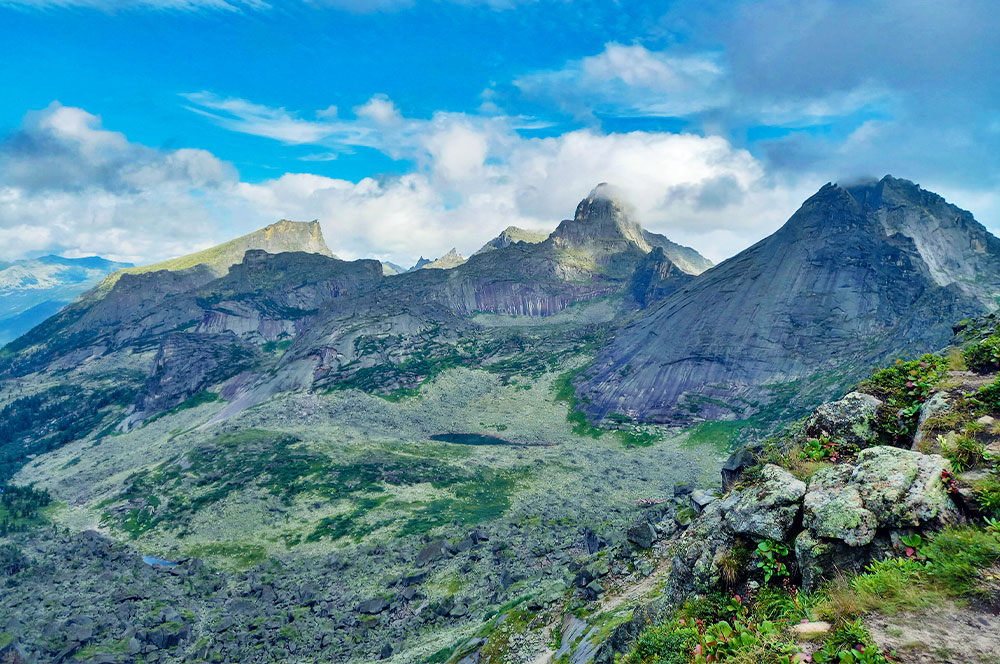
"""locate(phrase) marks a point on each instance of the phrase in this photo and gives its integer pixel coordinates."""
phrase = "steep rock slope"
(592, 255)
(854, 276)
(32, 290)
(394, 336)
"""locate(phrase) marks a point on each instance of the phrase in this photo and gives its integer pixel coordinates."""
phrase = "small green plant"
(986, 493)
(851, 643)
(818, 449)
(771, 553)
(913, 543)
(988, 397)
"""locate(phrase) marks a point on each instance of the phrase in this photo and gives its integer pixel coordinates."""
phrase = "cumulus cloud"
(625, 79)
(72, 185)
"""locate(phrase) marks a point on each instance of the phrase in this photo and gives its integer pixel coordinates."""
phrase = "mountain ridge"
(832, 285)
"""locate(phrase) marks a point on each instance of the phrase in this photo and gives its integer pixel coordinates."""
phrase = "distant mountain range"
(858, 274)
(32, 290)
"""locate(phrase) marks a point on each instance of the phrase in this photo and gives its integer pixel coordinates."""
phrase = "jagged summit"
(603, 217)
(285, 235)
(605, 227)
(446, 262)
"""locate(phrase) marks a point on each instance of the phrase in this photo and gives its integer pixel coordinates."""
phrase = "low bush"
(986, 493)
(903, 387)
(984, 356)
(964, 452)
(956, 556)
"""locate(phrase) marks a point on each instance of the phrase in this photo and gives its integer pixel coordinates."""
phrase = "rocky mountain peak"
(286, 235)
(603, 216)
(863, 272)
(448, 261)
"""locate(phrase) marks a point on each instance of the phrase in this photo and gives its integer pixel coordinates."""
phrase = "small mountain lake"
(152, 561)
(470, 439)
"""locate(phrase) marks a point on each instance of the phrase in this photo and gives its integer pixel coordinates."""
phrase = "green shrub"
(791, 605)
(903, 387)
(889, 578)
(989, 396)
(983, 356)
(851, 643)
(771, 553)
(667, 643)
(12, 560)
(987, 495)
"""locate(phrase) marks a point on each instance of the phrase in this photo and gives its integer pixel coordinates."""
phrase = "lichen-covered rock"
(766, 509)
(820, 559)
(696, 560)
(833, 508)
(849, 420)
(903, 488)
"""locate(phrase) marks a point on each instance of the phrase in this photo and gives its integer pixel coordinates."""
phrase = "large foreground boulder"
(700, 550)
(767, 508)
(851, 512)
(849, 421)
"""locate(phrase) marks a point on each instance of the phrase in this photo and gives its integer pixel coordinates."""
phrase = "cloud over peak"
(70, 183)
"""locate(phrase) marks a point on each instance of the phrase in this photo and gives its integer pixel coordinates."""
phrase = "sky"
(144, 129)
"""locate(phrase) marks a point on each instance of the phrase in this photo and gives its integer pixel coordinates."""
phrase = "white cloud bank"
(72, 186)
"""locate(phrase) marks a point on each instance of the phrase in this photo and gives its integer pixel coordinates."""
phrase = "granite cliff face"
(855, 276)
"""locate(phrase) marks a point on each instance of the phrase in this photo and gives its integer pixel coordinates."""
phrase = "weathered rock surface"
(834, 508)
(767, 508)
(699, 551)
(847, 421)
(903, 488)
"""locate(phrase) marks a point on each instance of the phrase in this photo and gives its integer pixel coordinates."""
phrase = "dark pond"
(470, 439)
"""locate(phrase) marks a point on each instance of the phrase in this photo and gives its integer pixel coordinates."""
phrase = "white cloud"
(473, 177)
(380, 110)
(631, 80)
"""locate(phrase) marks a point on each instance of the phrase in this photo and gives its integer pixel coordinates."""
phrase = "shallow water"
(470, 439)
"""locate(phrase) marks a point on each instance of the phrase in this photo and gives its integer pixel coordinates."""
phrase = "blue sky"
(144, 129)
